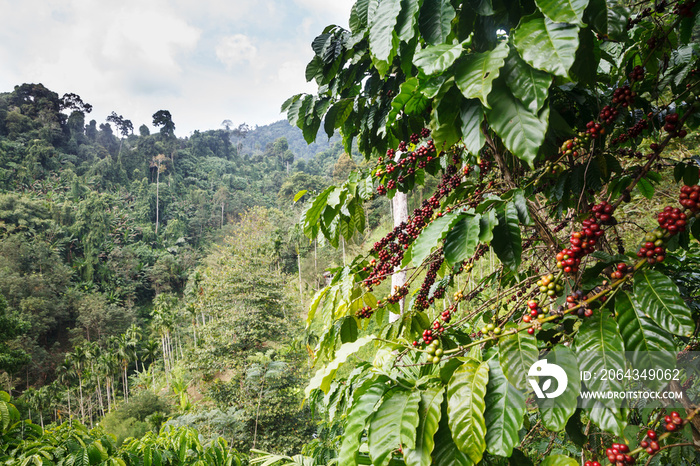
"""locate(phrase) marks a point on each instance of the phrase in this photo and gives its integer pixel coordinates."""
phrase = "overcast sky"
(203, 60)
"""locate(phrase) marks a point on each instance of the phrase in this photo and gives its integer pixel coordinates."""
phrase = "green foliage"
(529, 114)
(82, 258)
(11, 326)
(22, 442)
(129, 420)
(505, 412)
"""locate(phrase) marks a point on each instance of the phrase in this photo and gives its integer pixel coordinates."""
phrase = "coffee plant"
(73, 444)
(548, 126)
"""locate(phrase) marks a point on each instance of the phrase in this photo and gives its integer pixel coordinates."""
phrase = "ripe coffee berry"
(619, 271)
(672, 219)
(365, 313)
(603, 213)
(618, 454)
(673, 422)
(623, 96)
(608, 114)
(582, 243)
(637, 74)
(689, 197)
(591, 463)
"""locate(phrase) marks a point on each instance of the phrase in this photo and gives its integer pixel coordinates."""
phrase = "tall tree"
(125, 351)
(164, 322)
(77, 360)
(158, 163)
(164, 120)
(75, 103)
(124, 126)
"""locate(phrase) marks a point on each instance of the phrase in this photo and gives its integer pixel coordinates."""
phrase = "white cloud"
(338, 11)
(235, 49)
(137, 57)
(147, 37)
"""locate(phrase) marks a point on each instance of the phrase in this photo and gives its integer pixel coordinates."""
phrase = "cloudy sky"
(205, 61)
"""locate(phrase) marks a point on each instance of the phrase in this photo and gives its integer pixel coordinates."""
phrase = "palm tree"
(164, 321)
(264, 371)
(125, 354)
(150, 353)
(92, 355)
(77, 359)
(65, 378)
(133, 333)
(107, 366)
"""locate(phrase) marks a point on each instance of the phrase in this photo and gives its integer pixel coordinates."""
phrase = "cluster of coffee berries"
(650, 442)
(390, 255)
(594, 129)
(422, 301)
(577, 145)
(365, 313)
(671, 126)
(623, 96)
(672, 219)
(491, 328)
(446, 315)
(399, 292)
(398, 170)
(434, 351)
(575, 299)
(673, 422)
(550, 285)
(632, 132)
(620, 271)
(608, 114)
(690, 198)
(631, 22)
(637, 73)
(591, 463)
(437, 327)
(484, 166)
(582, 243)
(428, 337)
(628, 152)
(684, 9)
(390, 249)
(603, 212)
(533, 313)
(618, 454)
(653, 247)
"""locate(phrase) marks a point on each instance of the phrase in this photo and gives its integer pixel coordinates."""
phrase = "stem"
(612, 287)
(665, 447)
(665, 435)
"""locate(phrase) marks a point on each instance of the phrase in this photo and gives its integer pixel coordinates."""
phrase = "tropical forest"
(476, 243)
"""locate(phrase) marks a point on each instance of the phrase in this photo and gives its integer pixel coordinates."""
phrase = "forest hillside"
(146, 277)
